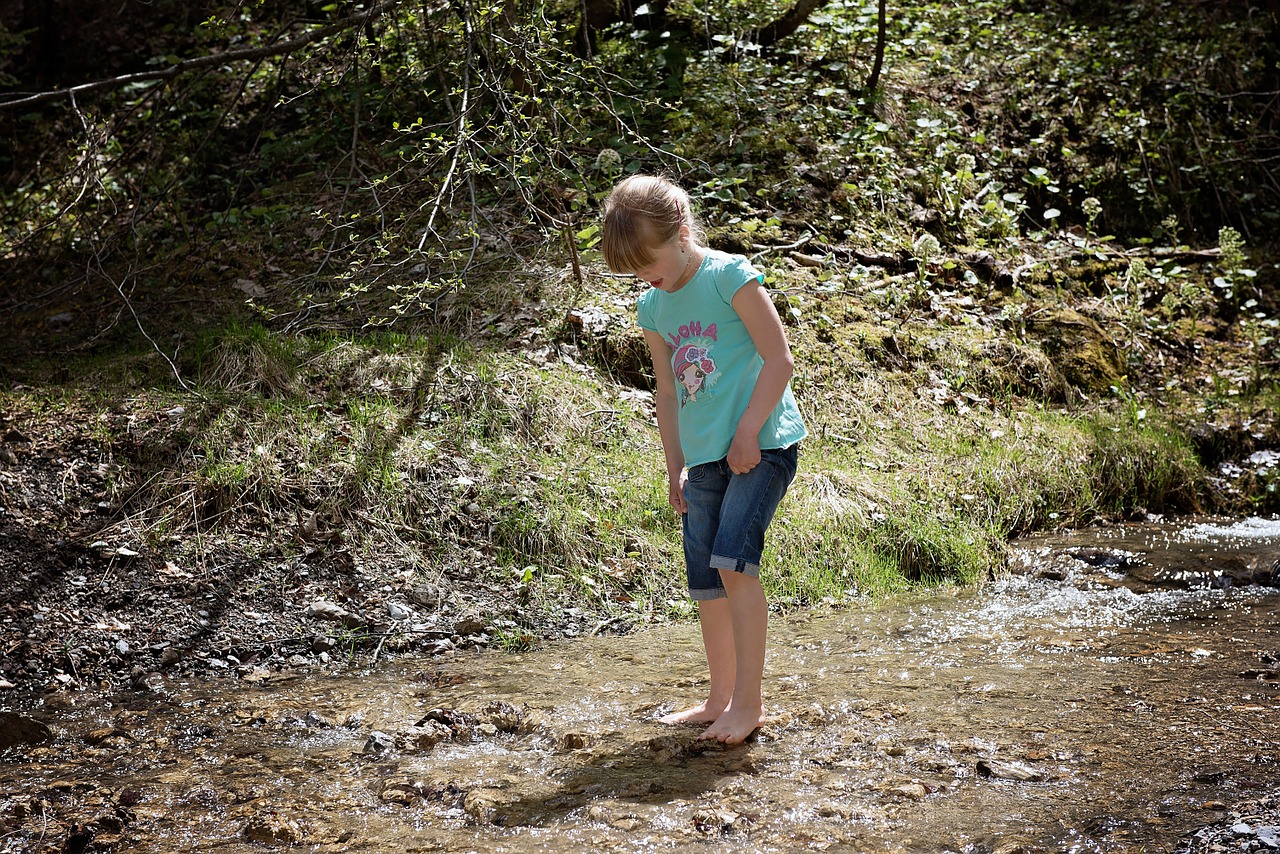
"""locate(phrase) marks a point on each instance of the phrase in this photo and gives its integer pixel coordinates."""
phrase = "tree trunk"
(775, 32)
(873, 82)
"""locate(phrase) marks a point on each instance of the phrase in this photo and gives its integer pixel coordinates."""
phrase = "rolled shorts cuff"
(738, 565)
(708, 595)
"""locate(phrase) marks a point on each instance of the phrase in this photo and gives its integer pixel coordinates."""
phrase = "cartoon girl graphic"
(692, 366)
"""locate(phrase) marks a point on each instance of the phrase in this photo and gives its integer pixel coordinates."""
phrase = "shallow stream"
(1115, 693)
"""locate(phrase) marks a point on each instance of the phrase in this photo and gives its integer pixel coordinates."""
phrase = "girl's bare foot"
(734, 726)
(705, 712)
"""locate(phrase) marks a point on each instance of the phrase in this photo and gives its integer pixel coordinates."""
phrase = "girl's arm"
(668, 407)
(753, 305)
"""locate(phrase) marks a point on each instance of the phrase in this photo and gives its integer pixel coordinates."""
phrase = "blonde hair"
(641, 212)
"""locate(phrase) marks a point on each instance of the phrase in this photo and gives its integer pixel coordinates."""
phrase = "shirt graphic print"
(692, 362)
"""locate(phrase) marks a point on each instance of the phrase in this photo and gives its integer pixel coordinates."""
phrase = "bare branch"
(213, 60)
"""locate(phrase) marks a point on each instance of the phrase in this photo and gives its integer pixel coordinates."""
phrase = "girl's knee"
(733, 579)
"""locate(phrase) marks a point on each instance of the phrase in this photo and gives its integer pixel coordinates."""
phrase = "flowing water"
(1116, 694)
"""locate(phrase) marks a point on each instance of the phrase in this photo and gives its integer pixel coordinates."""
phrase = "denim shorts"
(727, 516)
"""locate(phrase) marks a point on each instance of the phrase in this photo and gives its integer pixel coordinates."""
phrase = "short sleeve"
(644, 312)
(735, 273)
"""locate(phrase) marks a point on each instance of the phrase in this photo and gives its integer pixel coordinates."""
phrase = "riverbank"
(335, 501)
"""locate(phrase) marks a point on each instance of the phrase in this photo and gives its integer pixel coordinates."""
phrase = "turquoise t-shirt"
(714, 360)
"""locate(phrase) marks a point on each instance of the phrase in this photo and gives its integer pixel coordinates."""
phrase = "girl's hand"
(744, 454)
(675, 493)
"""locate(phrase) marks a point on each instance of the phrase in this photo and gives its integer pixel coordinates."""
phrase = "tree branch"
(179, 68)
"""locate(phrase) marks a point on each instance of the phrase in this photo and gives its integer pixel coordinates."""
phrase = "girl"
(729, 440)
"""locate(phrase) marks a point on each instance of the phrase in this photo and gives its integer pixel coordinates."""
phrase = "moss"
(1079, 348)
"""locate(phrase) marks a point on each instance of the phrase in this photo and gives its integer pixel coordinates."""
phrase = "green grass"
(459, 460)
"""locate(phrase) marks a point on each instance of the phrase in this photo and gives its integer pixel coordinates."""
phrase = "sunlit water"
(1092, 713)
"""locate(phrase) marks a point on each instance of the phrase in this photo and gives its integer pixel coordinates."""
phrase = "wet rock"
(459, 723)
(273, 828)
(1017, 771)
(1103, 558)
(713, 821)
(311, 720)
(429, 734)
(912, 791)
(16, 729)
(107, 736)
(404, 791)
(485, 805)
(378, 743)
(625, 821)
(504, 717)
(669, 749)
(142, 679)
(573, 741)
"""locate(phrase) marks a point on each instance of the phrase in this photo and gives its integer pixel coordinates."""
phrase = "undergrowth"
(445, 460)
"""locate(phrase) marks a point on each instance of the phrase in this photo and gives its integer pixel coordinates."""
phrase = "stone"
(430, 734)
(1017, 771)
(401, 791)
(574, 741)
(273, 827)
(911, 791)
(327, 610)
(16, 729)
(483, 805)
(468, 626)
(378, 743)
(503, 716)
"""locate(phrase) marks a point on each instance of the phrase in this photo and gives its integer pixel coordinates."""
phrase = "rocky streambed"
(1117, 693)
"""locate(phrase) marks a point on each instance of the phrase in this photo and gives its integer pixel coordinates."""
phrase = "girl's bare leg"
(749, 616)
(717, 637)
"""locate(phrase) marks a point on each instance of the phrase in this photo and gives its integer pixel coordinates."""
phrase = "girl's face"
(692, 378)
(670, 268)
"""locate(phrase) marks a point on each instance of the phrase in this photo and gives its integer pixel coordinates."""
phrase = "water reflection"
(1101, 700)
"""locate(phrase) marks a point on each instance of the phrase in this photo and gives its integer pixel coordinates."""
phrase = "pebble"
(1252, 826)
